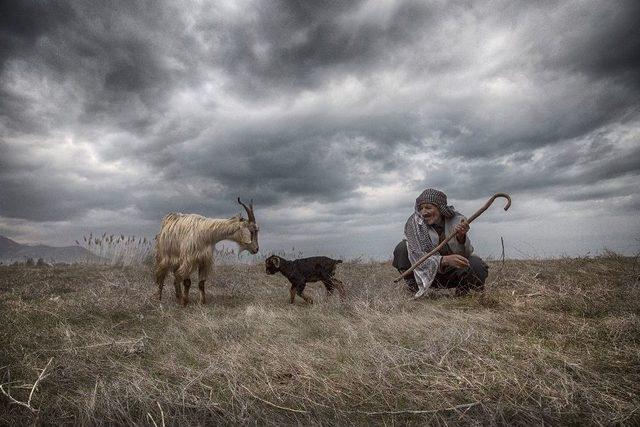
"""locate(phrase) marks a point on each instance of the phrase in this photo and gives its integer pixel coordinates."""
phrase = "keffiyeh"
(416, 231)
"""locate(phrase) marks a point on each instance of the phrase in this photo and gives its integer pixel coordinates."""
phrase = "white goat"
(186, 241)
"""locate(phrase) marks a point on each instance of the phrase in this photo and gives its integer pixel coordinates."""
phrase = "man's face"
(430, 213)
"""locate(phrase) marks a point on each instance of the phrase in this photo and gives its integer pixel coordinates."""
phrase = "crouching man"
(454, 266)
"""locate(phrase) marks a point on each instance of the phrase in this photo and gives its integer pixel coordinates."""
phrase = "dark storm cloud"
(22, 23)
(158, 106)
(586, 66)
(33, 190)
(111, 54)
(36, 189)
(314, 157)
(296, 44)
(604, 43)
(597, 63)
(569, 172)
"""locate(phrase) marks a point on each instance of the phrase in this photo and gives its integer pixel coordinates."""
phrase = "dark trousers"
(463, 279)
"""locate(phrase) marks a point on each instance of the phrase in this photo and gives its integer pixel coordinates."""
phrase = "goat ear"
(276, 262)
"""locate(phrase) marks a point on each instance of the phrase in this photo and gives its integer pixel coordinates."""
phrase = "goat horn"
(453, 233)
(252, 218)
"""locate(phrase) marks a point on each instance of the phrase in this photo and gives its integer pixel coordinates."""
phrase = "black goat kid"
(304, 270)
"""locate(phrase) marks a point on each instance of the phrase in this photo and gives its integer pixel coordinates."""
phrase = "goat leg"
(186, 284)
(340, 286)
(202, 294)
(300, 292)
(177, 285)
(328, 285)
(160, 275)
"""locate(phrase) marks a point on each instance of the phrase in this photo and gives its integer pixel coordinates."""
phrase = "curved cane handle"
(489, 202)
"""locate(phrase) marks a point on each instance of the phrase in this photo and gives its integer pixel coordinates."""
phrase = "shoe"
(420, 293)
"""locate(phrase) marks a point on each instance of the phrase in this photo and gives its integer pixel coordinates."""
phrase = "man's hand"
(461, 230)
(455, 260)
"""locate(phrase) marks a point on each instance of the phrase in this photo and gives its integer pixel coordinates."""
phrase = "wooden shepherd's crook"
(453, 233)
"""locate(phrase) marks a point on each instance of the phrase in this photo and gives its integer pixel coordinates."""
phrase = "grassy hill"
(11, 251)
(549, 342)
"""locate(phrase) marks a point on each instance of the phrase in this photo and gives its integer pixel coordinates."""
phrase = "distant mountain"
(11, 251)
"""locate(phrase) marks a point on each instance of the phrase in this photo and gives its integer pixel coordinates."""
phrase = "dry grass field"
(549, 342)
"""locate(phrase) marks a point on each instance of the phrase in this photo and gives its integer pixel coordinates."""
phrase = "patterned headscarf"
(436, 198)
(416, 230)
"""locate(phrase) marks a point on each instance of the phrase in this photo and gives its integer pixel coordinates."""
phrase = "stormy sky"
(332, 116)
